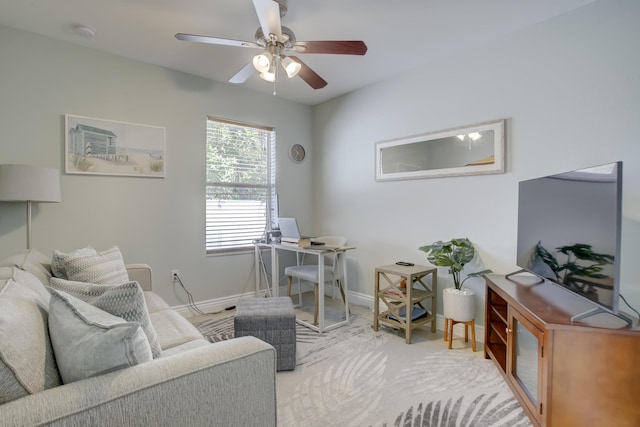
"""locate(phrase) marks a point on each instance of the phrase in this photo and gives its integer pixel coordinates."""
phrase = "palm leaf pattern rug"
(355, 376)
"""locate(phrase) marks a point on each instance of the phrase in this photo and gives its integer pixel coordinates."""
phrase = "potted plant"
(458, 303)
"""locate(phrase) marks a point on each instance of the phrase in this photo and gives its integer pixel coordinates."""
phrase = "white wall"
(570, 92)
(157, 221)
(568, 89)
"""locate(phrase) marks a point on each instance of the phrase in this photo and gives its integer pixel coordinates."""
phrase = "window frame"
(269, 186)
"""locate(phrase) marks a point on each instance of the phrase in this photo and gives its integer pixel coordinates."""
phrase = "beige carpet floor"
(355, 376)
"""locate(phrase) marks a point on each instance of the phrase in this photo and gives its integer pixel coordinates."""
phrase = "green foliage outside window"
(236, 155)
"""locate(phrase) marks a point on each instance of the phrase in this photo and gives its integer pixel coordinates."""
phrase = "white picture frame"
(96, 146)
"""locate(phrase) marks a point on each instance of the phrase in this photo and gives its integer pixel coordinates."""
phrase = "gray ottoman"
(273, 320)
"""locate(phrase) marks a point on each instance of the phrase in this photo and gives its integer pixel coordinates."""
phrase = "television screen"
(569, 231)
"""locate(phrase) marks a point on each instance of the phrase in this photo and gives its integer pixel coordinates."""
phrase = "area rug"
(355, 376)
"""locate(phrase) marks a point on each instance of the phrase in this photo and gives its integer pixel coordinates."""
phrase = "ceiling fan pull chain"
(277, 59)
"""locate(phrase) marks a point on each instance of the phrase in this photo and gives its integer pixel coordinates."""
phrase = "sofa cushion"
(155, 302)
(173, 329)
(88, 341)
(59, 258)
(104, 268)
(32, 261)
(188, 346)
(27, 362)
(126, 301)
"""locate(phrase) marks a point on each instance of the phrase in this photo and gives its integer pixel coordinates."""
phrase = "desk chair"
(309, 272)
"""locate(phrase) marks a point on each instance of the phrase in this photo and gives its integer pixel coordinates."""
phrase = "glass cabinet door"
(525, 364)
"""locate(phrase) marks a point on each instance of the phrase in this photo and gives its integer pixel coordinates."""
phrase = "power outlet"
(174, 275)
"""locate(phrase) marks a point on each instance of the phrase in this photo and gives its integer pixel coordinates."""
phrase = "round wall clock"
(297, 152)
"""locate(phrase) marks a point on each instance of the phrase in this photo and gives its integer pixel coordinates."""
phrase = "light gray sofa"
(193, 382)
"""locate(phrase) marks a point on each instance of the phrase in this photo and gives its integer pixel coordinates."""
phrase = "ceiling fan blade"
(216, 40)
(308, 75)
(244, 73)
(337, 47)
(269, 16)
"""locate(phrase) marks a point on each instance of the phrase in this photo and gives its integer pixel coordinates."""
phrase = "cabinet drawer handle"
(507, 330)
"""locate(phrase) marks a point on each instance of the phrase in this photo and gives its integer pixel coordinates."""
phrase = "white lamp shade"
(262, 61)
(268, 76)
(291, 67)
(25, 183)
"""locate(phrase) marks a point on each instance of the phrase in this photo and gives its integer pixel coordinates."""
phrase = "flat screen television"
(569, 233)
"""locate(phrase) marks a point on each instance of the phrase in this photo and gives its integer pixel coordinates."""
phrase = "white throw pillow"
(27, 279)
(27, 362)
(126, 301)
(32, 261)
(88, 341)
(58, 259)
(105, 268)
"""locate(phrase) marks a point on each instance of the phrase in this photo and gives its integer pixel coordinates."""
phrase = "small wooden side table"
(397, 292)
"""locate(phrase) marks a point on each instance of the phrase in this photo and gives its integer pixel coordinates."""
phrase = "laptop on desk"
(290, 232)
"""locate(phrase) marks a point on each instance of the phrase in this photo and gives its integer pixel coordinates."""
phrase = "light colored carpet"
(355, 376)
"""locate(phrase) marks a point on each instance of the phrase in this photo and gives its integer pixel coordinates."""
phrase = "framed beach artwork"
(106, 147)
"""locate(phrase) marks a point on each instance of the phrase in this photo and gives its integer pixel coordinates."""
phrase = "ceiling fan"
(277, 42)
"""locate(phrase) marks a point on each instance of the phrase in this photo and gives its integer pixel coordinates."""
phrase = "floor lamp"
(25, 183)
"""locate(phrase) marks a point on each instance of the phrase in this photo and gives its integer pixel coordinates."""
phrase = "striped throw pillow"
(59, 257)
(104, 268)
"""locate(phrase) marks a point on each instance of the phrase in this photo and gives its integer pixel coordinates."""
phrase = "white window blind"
(240, 188)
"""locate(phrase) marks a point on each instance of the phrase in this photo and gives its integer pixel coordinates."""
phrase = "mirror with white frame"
(468, 150)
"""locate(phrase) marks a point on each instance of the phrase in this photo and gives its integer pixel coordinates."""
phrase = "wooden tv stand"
(563, 373)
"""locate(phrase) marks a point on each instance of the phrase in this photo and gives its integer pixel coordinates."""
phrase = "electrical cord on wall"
(263, 271)
(246, 282)
(192, 304)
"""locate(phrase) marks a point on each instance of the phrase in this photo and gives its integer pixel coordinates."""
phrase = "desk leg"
(345, 282)
(275, 272)
(256, 256)
(321, 292)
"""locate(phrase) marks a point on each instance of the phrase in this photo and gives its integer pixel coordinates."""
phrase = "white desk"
(318, 251)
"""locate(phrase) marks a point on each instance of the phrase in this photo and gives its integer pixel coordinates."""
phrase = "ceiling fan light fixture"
(271, 75)
(262, 62)
(291, 67)
(276, 41)
(268, 76)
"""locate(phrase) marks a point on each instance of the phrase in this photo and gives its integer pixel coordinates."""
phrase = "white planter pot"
(459, 304)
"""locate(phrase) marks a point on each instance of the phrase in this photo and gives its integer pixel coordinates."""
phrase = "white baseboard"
(363, 300)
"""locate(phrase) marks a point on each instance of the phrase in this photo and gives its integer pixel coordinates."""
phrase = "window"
(240, 189)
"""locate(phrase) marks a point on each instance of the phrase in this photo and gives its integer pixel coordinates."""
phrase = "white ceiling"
(400, 35)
